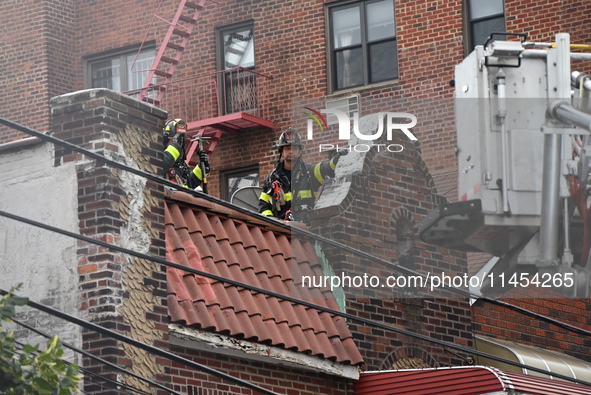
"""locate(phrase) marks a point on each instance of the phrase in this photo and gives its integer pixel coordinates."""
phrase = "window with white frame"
(363, 48)
(237, 46)
(121, 70)
(236, 57)
(484, 17)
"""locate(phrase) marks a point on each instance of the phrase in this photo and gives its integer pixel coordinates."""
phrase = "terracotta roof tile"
(232, 232)
(204, 236)
(245, 237)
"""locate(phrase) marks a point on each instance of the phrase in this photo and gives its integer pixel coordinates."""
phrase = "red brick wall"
(290, 46)
(37, 43)
(281, 379)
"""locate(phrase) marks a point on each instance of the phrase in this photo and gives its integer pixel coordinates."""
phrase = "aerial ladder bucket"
(523, 163)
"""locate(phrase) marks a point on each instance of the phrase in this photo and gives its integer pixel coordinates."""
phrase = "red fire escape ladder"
(171, 50)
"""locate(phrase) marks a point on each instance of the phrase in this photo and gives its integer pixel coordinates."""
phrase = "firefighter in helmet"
(290, 190)
(175, 165)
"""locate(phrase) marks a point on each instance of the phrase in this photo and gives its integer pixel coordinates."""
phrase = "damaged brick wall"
(117, 291)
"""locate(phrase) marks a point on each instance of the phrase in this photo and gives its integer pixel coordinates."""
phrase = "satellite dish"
(247, 197)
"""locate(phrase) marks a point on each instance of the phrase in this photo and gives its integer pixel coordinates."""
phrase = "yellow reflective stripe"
(305, 194)
(332, 164)
(265, 197)
(198, 173)
(267, 212)
(173, 151)
(288, 197)
(318, 175)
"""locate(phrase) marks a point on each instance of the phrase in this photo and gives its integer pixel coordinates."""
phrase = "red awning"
(462, 380)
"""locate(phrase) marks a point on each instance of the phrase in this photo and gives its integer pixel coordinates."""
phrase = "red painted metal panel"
(473, 380)
(468, 381)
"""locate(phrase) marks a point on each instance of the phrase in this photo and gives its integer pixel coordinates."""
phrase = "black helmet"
(289, 137)
(174, 126)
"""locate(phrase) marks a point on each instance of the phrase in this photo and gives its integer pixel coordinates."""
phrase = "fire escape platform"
(232, 123)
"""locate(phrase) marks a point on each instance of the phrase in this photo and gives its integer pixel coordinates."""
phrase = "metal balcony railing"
(207, 96)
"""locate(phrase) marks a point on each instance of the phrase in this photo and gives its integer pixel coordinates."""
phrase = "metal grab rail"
(213, 94)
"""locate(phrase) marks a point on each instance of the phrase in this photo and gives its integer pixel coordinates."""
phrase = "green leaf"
(19, 300)
(32, 371)
(28, 349)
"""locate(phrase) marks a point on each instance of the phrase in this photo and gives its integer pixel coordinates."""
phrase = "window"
(234, 179)
(120, 71)
(484, 17)
(237, 46)
(363, 48)
(236, 58)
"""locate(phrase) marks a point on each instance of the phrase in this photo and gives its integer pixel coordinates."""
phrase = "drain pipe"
(502, 115)
(550, 220)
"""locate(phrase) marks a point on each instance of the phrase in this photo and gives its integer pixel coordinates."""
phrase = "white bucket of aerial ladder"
(523, 126)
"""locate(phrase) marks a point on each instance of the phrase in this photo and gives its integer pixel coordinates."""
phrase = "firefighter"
(175, 165)
(290, 190)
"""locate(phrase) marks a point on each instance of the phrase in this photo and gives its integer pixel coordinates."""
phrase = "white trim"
(220, 344)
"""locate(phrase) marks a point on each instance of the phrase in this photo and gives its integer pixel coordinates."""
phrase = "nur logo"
(392, 122)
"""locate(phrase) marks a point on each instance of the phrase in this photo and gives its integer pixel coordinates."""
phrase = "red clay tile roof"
(219, 240)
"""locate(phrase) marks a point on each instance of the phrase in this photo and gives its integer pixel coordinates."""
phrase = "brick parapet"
(118, 291)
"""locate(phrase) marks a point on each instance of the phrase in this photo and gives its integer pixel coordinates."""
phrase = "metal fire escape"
(171, 50)
(226, 101)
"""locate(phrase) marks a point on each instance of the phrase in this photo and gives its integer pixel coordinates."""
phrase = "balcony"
(225, 101)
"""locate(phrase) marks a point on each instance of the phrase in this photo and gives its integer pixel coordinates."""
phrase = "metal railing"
(214, 94)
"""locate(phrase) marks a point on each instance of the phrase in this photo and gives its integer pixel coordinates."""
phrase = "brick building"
(366, 56)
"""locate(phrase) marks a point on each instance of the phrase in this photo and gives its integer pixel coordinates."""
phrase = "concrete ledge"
(220, 344)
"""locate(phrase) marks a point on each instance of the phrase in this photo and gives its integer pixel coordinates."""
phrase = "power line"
(281, 224)
(21, 345)
(293, 230)
(273, 294)
(98, 359)
(146, 347)
(113, 384)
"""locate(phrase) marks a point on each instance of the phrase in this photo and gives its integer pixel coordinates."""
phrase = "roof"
(550, 361)
(225, 242)
(461, 380)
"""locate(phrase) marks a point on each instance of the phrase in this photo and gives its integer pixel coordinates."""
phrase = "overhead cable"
(98, 359)
(146, 347)
(89, 373)
(255, 289)
(283, 225)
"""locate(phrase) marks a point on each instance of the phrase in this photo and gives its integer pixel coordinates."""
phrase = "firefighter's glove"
(205, 160)
(185, 171)
(289, 216)
(341, 152)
